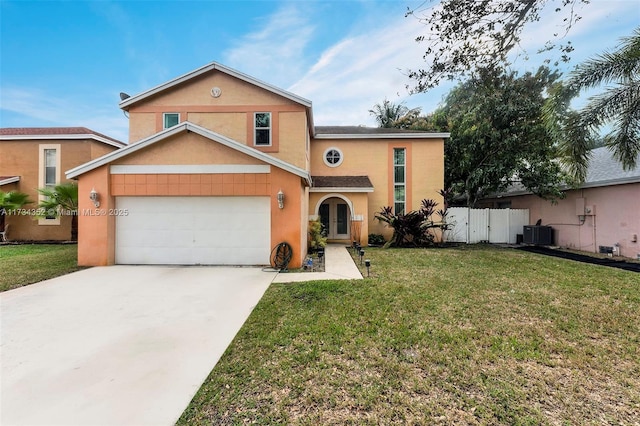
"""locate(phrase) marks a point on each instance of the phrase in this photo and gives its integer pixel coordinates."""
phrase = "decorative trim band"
(188, 169)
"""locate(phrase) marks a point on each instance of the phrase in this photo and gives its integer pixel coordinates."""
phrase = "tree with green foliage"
(13, 200)
(466, 35)
(62, 200)
(388, 113)
(9, 201)
(618, 105)
(498, 137)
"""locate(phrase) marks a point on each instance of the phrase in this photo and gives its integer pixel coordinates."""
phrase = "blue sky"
(63, 63)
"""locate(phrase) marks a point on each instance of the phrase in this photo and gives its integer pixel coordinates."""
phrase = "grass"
(30, 263)
(469, 335)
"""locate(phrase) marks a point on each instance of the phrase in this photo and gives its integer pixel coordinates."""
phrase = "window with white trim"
(170, 119)
(262, 126)
(49, 175)
(333, 157)
(399, 180)
(50, 167)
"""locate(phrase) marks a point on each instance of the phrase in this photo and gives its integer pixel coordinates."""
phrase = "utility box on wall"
(538, 235)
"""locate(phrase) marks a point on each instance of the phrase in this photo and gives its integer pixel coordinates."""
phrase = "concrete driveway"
(118, 345)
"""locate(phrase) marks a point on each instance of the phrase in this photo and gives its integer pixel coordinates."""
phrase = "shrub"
(316, 237)
(416, 228)
(376, 240)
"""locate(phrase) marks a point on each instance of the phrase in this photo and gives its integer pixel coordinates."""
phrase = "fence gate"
(485, 225)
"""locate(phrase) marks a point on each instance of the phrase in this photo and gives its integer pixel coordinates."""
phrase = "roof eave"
(9, 180)
(585, 185)
(382, 136)
(72, 136)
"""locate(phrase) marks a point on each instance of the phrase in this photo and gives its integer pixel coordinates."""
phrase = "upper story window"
(170, 119)
(49, 175)
(262, 126)
(50, 167)
(399, 180)
(333, 157)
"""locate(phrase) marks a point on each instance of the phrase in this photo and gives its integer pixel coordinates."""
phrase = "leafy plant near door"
(62, 200)
(416, 228)
(316, 238)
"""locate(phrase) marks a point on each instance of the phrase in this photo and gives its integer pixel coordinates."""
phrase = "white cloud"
(361, 70)
(40, 109)
(275, 52)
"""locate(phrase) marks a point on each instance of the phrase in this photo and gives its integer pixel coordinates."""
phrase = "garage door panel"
(193, 230)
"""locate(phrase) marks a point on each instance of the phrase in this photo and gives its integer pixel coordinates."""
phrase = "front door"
(334, 216)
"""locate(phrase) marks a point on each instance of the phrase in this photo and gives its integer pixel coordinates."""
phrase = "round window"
(333, 157)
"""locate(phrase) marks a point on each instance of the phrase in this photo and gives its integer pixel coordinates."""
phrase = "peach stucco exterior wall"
(97, 233)
(616, 219)
(231, 114)
(186, 148)
(374, 158)
(196, 184)
(286, 224)
(21, 158)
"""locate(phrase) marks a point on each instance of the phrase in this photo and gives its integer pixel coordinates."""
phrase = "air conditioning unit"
(538, 235)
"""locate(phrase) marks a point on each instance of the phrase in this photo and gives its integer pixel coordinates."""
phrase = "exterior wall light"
(93, 196)
(281, 199)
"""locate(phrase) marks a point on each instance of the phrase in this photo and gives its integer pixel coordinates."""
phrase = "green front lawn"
(30, 263)
(469, 335)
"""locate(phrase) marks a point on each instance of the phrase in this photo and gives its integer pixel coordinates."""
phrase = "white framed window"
(170, 119)
(333, 157)
(262, 128)
(48, 174)
(399, 180)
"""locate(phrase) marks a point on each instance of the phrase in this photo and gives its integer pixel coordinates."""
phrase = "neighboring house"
(603, 211)
(32, 158)
(222, 167)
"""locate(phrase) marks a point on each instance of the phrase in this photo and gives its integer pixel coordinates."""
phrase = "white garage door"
(193, 230)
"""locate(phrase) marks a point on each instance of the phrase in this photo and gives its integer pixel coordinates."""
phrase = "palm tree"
(388, 113)
(618, 105)
(62, 200)
(11, 200)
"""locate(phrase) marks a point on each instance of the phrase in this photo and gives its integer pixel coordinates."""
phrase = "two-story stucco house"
(221, 168)
(32, 158)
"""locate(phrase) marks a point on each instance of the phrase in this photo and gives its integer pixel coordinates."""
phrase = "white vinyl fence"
(485, 225)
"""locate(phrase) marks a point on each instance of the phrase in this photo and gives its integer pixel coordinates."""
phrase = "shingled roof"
(23, 132)
(361, 183)
(603, 170)
(359, 130)
(363, 132)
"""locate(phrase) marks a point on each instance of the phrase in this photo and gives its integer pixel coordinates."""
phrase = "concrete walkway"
(338, 265)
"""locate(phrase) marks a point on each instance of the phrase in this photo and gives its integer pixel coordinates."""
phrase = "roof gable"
(213, 66)
(187, 127)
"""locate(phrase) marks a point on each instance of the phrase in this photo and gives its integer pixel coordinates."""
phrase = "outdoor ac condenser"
(538, 235)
